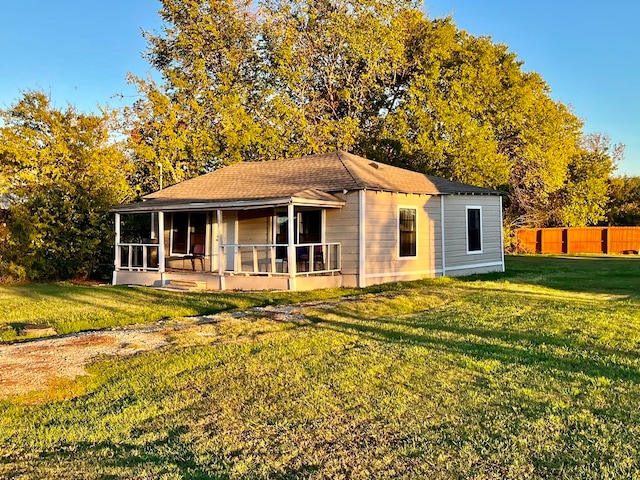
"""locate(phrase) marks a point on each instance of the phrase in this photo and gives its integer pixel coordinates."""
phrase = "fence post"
(567, 250)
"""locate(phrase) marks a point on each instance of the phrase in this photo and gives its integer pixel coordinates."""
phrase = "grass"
(72, 308)
(531, 374)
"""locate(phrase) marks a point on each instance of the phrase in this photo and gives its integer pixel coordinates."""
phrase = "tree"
(262, 80)
(206, 112)
(338, 66)
(583, 198)
(65, 173)
(624, 201)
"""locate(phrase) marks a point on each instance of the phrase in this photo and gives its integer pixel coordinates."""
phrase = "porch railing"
(248, 259)
(137, 256)
(265, 259)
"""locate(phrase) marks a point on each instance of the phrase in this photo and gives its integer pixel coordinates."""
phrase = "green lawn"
(530, 374)
(72, 308)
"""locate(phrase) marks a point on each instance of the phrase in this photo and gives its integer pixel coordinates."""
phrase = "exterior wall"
(149, 279)
(342, 227)
(383, 261)
(231, 282)
(458, 261)
(317, 282)
(254, 229)
(243, 282)
(154, 279)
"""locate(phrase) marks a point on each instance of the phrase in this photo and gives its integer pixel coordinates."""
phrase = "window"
(281, 226)
(407, 232)
(187, 230)
(179, 233)
(474, 230)
(306, 229)
(310, 226)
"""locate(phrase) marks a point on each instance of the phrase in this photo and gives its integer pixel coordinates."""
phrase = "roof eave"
(253, 204)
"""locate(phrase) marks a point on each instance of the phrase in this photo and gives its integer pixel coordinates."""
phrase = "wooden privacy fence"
(607, 240)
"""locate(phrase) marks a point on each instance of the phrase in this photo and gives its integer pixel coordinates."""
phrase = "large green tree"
(583, 198)
(246, 80)
(624, 201)
(63, 172)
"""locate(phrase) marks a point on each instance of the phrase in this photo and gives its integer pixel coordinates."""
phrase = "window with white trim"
(407, 232)
(187, 231)
(474, 229)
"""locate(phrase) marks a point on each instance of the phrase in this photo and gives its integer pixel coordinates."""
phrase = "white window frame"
(415, 209)
(466, 229)
(171, 252)
(323, 223)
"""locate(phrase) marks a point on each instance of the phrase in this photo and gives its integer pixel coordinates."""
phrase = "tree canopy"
(246, 80)
(63, 173)
(624, 201)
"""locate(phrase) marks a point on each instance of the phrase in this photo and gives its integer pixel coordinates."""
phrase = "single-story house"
(327, 220)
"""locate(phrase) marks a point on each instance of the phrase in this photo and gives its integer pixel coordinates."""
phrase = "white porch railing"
(248, 259)
(137, 256)
(271, 259)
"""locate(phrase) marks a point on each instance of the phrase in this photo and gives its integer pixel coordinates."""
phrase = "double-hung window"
(407, 232)
(474, 229)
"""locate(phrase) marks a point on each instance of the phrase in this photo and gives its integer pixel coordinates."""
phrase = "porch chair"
(303, 258)
(197, 252)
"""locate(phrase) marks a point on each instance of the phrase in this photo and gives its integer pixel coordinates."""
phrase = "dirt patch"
(30, 366)
(33, 365)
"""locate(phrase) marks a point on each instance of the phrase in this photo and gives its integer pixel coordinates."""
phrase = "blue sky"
(81, 51)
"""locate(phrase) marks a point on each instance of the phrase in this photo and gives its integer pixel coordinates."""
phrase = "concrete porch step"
(185, 285)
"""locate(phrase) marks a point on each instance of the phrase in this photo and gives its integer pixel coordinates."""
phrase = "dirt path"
(31, 365)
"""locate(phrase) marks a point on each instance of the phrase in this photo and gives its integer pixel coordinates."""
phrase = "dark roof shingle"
(325, 172)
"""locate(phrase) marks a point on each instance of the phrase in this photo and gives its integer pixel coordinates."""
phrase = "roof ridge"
(338, 152)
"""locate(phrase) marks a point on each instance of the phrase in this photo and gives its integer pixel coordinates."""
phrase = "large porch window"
(187, 231)
(308, 228)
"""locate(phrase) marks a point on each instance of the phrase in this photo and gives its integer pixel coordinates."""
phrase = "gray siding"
(342, 227)
(456, 255)
(383, 262)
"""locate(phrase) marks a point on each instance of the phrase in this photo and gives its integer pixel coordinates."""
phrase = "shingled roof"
(313, 177)
(326, 172)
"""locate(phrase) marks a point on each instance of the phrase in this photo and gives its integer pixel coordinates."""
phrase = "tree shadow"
(619, 276)
(172, 453)
(515, 348)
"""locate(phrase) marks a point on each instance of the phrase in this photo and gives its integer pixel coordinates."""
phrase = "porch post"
(362, 239)
(443, 244)
(291, 248)
(116, 261)
(161, 264)
(221, 261)
(502, 235)
(208, 247)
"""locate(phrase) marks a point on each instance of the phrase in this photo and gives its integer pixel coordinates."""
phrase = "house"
(326, 220)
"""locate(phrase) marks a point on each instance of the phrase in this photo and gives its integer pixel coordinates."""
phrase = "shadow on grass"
(170, 455)
(586, 274)
(128, 458)
(504, 346)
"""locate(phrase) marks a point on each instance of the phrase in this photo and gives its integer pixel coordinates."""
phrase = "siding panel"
(456, 231)
(342, 227)
(383, 262)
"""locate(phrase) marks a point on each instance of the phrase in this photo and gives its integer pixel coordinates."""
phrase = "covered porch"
(279, 246)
